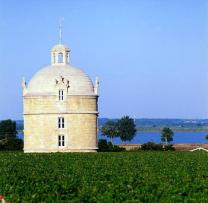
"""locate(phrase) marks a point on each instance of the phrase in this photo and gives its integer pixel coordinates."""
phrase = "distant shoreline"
(149, 130)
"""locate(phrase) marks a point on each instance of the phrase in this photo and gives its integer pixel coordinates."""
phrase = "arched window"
(60, 57)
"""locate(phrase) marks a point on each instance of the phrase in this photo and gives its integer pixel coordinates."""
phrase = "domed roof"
(44, 81)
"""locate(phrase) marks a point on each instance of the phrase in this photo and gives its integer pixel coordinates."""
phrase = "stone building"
(60, 108)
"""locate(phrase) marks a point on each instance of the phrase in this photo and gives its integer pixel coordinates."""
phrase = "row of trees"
(125, 128)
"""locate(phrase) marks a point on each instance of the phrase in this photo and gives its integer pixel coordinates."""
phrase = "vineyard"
(104, 177)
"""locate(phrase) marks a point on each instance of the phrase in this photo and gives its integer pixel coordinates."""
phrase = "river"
(142, 137)
(179, 137)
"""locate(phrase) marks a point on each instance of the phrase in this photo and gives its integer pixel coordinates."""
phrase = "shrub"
(169, 147)
(11, 144)
(151, 146)
(104, 146)
(118, 149)
(157, 147)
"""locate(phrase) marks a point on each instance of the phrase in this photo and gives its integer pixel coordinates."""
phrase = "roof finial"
(60, 30)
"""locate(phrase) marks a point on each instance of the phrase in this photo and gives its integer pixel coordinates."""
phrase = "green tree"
(126, 128)
(110, 130)
(8, 140)
(167, 135)
(7, 129)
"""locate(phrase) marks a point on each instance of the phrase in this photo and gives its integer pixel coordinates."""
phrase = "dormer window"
(61, 95)
(60, 58)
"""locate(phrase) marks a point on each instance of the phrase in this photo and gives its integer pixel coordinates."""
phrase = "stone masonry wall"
(41, 123)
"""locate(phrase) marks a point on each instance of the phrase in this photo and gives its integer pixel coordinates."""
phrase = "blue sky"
(150, 56)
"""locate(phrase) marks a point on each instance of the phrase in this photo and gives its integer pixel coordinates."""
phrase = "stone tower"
(60, 108)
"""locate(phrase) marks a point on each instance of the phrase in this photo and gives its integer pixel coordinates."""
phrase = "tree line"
(125, 129)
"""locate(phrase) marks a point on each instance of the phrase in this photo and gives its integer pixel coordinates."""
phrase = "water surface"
(179, 137)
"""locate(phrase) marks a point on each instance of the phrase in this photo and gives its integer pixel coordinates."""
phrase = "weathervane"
(60, 30)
